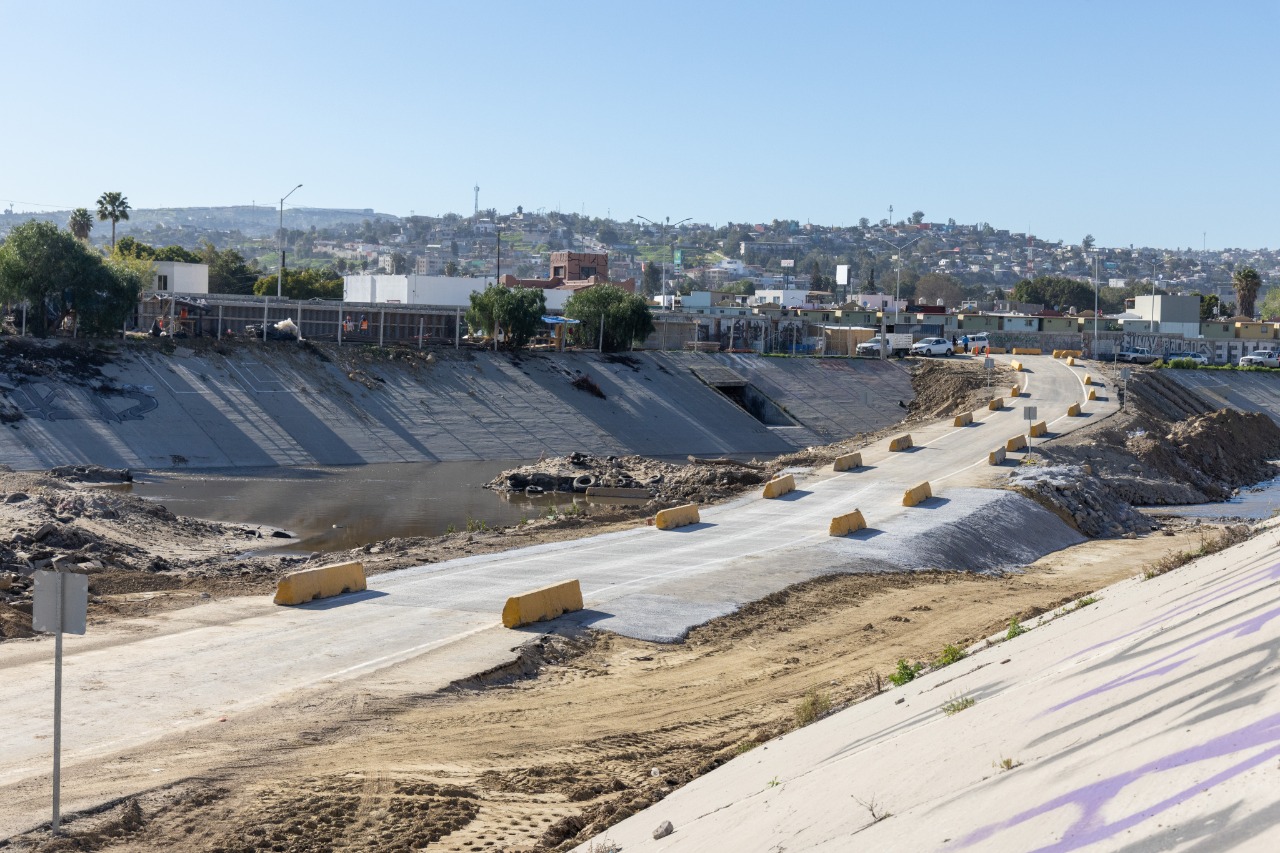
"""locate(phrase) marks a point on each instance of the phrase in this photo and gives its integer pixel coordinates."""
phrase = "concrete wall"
(277, 404)
(452, 291)
(182, 278)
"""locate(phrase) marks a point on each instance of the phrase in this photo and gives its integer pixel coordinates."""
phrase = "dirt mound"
(947, 387)
(1080, 499)
(1229, 446)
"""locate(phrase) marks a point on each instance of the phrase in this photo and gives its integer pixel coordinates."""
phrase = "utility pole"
(280, 241)
(476, 215)
(662, 230)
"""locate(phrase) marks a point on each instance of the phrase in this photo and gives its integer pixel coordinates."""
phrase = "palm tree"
(1246, 282)
(113, 206)
(80, 223)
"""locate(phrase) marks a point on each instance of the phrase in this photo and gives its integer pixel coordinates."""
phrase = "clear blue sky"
(1140, 122)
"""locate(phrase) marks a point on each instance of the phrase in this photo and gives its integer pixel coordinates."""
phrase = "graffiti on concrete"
(1257, 743)
(53, 403)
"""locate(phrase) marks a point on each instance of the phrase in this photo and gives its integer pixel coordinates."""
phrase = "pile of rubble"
(1081, 498)
(661, 482)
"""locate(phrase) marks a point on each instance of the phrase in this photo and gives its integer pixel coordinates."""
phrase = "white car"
(979, 342)
(932, 346)
(1261, 358)
(1188, 356)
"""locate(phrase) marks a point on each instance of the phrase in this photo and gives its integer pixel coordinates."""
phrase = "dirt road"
(605, 726)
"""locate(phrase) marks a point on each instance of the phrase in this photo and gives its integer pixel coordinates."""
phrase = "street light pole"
(1095, 304)
(280, 242)
(897, 291)
(662, 230)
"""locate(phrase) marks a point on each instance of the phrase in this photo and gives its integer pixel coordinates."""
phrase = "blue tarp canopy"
(558, 320)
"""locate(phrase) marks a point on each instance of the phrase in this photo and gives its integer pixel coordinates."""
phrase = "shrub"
(905, 672)
(814, 704)
(1015, 629)
(950, 654)
(958, 704)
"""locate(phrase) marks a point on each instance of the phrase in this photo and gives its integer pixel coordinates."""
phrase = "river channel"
(335, 508)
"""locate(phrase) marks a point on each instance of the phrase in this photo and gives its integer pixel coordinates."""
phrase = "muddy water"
(1252, 502)
(333, 508)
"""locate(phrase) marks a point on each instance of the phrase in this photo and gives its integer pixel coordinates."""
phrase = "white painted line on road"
(404, 653)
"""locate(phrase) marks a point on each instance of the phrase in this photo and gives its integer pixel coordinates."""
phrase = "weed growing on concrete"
(1007, 763)
(873, 683)
(950, 654)
(905, 672)
(773, 783)
(958, 704)
(744, 746)
(874, 808)
(603, 845)
(451, 529)
(1086, 601)
(1233, 535)
(814, 704)
(1015, 629)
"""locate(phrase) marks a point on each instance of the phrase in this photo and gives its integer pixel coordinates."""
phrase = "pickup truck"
(899, 345)
(1261, 358)
(1137, 355)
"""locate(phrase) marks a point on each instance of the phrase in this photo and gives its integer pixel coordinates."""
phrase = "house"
(177, 277)
(1172, 315)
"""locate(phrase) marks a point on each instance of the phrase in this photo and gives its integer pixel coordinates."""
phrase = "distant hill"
(250, 220)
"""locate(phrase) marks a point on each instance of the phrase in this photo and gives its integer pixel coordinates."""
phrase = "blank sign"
(75, 602)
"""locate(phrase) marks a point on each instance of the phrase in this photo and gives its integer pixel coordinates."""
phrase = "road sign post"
(1029, 415)
(60, 605)
(1124, 377)
(989, 364)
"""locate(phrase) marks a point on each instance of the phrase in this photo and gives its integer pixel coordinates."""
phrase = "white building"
(177, 277)
(1172, 315)
(439, 290)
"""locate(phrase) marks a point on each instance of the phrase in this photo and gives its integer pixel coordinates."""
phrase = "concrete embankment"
(252, 404)
(1143, 721)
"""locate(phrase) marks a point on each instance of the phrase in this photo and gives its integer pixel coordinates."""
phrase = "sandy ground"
(601, 727)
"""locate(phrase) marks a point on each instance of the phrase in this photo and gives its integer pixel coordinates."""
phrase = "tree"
(311, 283)
(1211, 306)
(228, 271)
(626, 316)
(651, 282)
(1087, 243)
(514, 312)
(113, 206)
(1246, 283)
(451, 269)
(917, 217)
(128, 247)
(399, 263)
(1270, 309)
(80, 223)
(933, 287)
(55, 274)
(864, 222)
(179, 254)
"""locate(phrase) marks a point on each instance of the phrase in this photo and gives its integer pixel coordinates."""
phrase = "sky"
(1145, 123)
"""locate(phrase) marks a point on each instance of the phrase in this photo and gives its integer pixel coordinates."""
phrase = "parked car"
(932, 346)
(1261, 358)
(1186, 356)
(979, 342)
(1137, 355)
(899, 345)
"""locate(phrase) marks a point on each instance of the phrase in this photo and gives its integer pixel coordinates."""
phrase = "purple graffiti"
(1090, 827)
(1166, 664)
(1213, 593)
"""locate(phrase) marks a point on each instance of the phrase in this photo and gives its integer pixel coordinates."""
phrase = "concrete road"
(133, 681)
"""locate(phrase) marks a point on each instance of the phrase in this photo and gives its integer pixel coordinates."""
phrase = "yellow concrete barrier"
(1057, 353)
(996, 456)
(850, 522)
(1016, 365)
(964, 419)
(996, 405)
(1025, 351)
(779, 486)
(1088, 379)
(537, 605)
(916, 494)
(324, 582)
(1015, 391)
(1073, 411)
(1039, 429)
(847, 461)
(1072, 353)
(902, 442)
(996, 350)
(1018, 442)
(676, 516)
(1071, 361)
(1093, 394)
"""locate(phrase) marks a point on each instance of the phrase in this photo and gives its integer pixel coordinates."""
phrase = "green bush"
(1182, 364)
(1015, 629)
(950, 654)
(905, 672)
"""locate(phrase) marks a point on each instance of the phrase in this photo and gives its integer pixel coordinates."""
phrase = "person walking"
(964, 343)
